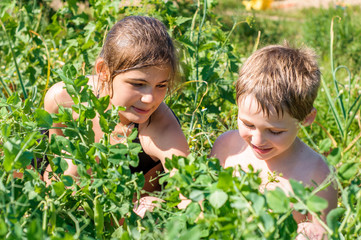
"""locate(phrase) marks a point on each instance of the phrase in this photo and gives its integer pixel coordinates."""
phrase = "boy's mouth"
(261, 150)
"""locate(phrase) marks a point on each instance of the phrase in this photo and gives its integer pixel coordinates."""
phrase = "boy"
(276, 88)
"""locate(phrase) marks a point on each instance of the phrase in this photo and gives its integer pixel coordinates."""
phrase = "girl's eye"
(276, 132)
(162, 85)
(137, 84)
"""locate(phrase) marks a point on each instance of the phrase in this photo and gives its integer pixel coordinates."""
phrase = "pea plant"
(42, 46)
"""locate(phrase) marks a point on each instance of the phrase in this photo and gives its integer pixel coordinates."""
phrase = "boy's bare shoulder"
(313, 167)
(227, 144)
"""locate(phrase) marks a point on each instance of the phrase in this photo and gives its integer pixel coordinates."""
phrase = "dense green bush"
(41, 46)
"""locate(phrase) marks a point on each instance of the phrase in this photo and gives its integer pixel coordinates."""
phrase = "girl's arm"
(55, 97)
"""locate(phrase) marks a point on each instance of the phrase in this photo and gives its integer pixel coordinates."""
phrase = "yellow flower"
(257, 4)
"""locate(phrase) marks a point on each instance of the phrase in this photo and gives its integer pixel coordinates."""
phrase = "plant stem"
(48, 70)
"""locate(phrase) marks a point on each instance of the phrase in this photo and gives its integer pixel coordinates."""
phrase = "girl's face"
(141, 91)
(268, 137)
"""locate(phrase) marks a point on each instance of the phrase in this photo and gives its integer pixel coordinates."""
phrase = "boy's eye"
(276, 132)
(247, 125)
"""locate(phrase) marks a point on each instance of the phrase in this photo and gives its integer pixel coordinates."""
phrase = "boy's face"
(269, 137)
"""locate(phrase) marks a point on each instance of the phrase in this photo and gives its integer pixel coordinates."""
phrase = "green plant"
(41, 46)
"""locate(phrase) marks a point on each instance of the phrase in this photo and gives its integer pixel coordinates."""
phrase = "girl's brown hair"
(137, 42)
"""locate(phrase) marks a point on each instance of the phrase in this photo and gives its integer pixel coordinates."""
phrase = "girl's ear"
(310, 118)
(102, 69)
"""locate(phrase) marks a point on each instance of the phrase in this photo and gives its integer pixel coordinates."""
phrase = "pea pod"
(52, 219)
(98, 217)
(88, 209)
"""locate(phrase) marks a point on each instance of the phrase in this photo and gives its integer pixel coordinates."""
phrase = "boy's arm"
(314, 229)
(323, 176)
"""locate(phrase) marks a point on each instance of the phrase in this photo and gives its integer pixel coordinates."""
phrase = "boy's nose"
(258, 139)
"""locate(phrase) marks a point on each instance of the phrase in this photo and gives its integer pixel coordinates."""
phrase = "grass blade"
(333, 108)
(335, 70)
(6, 88)
(352, 117)
(14, 58)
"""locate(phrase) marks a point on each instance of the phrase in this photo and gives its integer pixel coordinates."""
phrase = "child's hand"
(145, 204)
(311, 231)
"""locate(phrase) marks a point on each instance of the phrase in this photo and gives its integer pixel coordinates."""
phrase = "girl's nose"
(148, 96)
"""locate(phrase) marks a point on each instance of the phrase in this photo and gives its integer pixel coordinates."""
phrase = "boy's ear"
(310, 118)
(102, 69)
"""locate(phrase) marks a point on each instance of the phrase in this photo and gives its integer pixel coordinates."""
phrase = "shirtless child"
(276, 88)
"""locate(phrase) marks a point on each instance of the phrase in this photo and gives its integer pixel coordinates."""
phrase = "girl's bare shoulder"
(163, 135)
(57, 96)
(163, 119)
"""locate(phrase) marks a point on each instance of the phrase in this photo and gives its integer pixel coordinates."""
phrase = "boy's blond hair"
(281, 77)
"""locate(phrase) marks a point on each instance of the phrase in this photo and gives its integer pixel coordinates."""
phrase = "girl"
(136, 67)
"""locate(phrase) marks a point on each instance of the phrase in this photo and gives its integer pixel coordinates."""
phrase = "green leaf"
(10, 152)
(196, 195)
(82, 171)
(103, 124)
(100, 104)
(116, 158)
(194, 233)
(225, 180)
(70, 71)
(6, 131)
(89, 113)
(298, 189)
(3, 227)
(34, 230)
(268, 222)
(348, 170)
(133, 135)
(43, 118)
(58, 188)
(316, 203)
(134, 148)
(325, 145)
(67, 180)
(333, 217)
(238, 202)
(60, 164)
(119, 148)
(258, 202)
(181, 20)
(278, 201)
(14, 100)
(218, 198)
(335, 156)
(31, 174)
(80, 82)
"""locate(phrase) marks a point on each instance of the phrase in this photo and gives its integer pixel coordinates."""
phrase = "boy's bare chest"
(271, 177)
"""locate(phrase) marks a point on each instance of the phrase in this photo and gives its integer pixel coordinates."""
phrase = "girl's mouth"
(141, 111)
